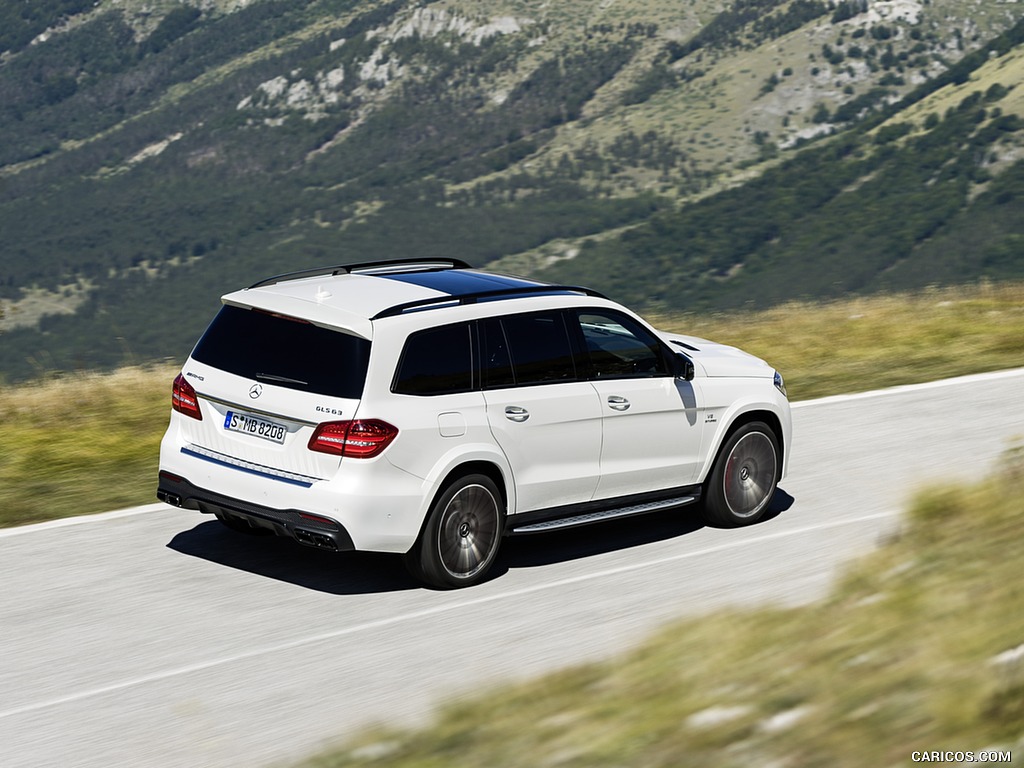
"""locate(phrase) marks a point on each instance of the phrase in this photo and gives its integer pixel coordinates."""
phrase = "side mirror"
(684, 367)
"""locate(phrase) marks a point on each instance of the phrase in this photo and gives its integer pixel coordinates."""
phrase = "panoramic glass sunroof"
(458, 283)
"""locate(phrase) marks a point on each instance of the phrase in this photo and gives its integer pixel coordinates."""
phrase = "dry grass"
(866, 343)
(84, 443)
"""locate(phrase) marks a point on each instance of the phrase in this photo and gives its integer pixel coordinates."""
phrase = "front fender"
(721, 419)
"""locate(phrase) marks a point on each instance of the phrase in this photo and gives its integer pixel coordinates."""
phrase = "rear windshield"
(285, 352)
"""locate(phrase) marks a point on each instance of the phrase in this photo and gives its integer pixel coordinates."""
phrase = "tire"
(461, 537)
(743, 480)
(240, 525)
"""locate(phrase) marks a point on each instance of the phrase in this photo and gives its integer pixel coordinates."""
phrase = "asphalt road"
(155, 637)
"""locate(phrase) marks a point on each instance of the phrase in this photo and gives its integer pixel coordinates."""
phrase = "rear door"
(546, 419)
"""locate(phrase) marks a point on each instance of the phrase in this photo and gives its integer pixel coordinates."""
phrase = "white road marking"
(972, 378)
(426, 613)
(64, 522)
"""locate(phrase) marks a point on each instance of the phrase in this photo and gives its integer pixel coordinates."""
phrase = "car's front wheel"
(744, 477)
(462, 534)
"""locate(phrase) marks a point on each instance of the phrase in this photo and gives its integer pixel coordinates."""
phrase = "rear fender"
(462, 456)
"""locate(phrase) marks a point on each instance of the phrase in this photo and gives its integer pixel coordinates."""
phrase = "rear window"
(285, 352)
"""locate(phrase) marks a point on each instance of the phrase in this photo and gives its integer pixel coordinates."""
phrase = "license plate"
(254, 425)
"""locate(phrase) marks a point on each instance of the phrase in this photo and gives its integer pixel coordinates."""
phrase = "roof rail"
(369, 267)
(473, 298)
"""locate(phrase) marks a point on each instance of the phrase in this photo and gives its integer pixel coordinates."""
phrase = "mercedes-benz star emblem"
(255, 391)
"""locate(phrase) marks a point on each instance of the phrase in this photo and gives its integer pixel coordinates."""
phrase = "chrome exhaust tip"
(169, 498)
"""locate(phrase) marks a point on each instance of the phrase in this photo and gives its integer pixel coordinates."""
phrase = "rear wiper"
(281, 379)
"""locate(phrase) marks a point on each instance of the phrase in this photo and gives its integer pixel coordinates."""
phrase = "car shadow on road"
(354, 573)
(336, 573)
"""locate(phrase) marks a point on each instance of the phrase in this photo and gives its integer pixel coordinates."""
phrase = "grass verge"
(919, 648)
(82, 443)
(89, 442)
(858, 344)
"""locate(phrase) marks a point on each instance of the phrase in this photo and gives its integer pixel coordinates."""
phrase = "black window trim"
(478, 339)
(581, 360)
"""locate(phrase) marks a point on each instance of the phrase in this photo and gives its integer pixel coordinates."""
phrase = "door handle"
(516, 413)
(617, 403)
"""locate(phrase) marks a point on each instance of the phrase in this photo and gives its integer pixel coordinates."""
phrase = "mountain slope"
(157, 154)
(926, 197)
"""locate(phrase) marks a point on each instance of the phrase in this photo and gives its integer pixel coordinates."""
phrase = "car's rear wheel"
(744, 477)
(462, 534)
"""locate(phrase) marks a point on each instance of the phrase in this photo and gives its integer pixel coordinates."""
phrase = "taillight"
(360, 439)
(184, 399)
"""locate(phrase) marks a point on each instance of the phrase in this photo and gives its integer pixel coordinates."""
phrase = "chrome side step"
(598, 516)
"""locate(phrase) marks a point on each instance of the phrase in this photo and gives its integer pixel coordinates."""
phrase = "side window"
(436, 362)
(620, 347)
(539, 348)
(495, 361)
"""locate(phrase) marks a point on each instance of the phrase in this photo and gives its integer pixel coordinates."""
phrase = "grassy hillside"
(158, 154)
(916, 649)
(89, 442)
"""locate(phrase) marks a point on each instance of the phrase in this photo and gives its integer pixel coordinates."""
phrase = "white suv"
(432, 409)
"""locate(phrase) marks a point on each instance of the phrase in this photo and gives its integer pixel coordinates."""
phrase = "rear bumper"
(306, 528)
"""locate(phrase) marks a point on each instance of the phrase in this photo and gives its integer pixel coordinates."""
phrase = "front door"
(651, 431)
